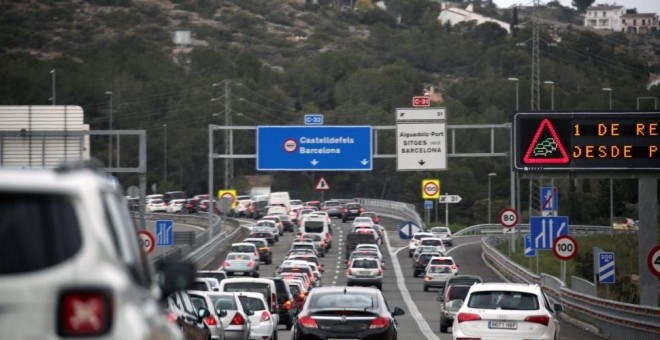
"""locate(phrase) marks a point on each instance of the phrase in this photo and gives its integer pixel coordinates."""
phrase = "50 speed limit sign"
(509, 217)
(565, 247)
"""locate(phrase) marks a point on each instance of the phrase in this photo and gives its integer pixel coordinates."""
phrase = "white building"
(605, 17)
(454, 15)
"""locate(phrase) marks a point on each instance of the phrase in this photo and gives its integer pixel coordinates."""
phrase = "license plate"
(238, 273)
(353, 211)
(503, 324)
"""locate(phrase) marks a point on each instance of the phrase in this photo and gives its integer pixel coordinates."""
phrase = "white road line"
(412, 307)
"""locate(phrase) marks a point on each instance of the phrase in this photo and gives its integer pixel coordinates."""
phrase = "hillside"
(284, 59)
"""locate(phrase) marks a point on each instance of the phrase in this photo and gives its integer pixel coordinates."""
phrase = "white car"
(72, 260)
(506, 311)
(156, 205)
(444, 234)
(434, 242)
(444, 261)
(363, 220)
(175, 206)
(243, 208)
(414, 241)
(262, 321)
(371, 247)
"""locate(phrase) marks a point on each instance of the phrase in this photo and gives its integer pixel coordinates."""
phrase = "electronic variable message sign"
(586, 141)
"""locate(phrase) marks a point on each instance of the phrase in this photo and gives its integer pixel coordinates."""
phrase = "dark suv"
(419, 265)
(333, 208)
(287, 224)
(353, 239)
(286, 307)
(351, 211)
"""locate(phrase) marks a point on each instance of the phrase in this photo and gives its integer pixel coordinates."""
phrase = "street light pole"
(552, 93)
(52, 80)
(490, 175)
(609, 91)
(165, 153)
(110, 127)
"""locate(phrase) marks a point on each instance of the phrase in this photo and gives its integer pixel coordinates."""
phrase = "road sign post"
(314, 148)
(164, 233)
(564, 247)
(448, 199)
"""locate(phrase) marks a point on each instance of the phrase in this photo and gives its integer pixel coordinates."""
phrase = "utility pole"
(536, 64)
(227, 124)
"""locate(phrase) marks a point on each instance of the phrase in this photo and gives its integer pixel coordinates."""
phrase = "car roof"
(517, 287)
(242, 244)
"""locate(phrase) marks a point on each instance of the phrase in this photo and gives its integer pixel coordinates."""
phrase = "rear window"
(256, 287)
(344, 300)
(447, 262)
(419, 236)
(251, 303)
(242, 249)
(352, 206)
(457, 292)
(199, 286)
(431, 242)
(503, 300)
(223, 302)
(314, 226)
(43, 226)
(365, 264)
(360, 238)
(297, 270)
(440, 269)
(217, 276)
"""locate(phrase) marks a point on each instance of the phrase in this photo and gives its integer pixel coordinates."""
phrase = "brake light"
(171, 317)
(210, 321)
(308, 322)
(462, 317)
(84, 313)
(540, 319)
(301, 295)
(453, 266)
(238, 319)
(361, 210)
(379, 322)
(349, 272)
(380, 272)
(427, 278)
(265, 316)
(225, 264)
(250, 264)
(287, 305)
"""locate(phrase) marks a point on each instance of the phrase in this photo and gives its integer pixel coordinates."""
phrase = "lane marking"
(407, 299)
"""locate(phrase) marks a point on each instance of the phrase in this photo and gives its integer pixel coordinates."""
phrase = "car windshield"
(239, 257)
(503, 300)
(343, 300)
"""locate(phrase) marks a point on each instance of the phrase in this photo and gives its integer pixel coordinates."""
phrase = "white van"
(280, 198)
(257, 285)
(315, 224)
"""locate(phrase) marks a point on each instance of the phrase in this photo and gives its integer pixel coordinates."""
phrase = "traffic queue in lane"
(294, 291)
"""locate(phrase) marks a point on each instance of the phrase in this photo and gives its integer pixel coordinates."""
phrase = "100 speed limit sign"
(565, 247)
(509, 217)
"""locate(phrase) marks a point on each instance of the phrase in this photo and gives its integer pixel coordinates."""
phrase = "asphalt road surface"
(400, 289)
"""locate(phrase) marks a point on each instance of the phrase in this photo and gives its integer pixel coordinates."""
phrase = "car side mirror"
(221, 313)
(174, 276)
(558, 308)
(249, 312)
(202, 313)
(398, 311)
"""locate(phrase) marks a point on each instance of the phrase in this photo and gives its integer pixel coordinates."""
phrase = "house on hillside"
(451, 14)
(604, 17)
(639, 23)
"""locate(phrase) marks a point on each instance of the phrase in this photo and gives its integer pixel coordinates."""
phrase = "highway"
(421, 320)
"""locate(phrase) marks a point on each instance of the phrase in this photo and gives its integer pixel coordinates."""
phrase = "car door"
(197, 330)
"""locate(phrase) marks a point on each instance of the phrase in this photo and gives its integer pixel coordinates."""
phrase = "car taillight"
(210, 321)
(225, 264)
(349, 272)
(301, 295)
(361, 210)
(379, 322)
(250, 264)
(345, 210)
(238, 319)
(85, 312)
(380, 272)
(308, 322)
(462, 317)
(171, 317)
(453, 266)
(265, 316)
(427, 278)
(287, 305)
(541, 319)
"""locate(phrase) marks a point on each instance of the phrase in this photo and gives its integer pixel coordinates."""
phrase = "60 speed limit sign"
(509, 217)
(565, 247)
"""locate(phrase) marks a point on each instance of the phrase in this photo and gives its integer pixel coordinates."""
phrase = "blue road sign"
(529, 250)
(164, 233)
(549, 199)
(428, 205)
(407, 230)
(314, 119)
(606, 267)
(545, 229)
(311, 148)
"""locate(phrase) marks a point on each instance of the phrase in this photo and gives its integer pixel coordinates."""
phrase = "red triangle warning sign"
(322, 184)
(546, 148)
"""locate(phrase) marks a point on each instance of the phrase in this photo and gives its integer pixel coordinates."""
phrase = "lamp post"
(109, 93)
(165, 153)
(490, 175)
(52, 85)
(609, 91)
(552, 93)
(517, 91)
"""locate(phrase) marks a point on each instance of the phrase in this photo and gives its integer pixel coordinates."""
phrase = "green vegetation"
(623, 244)
(355, 67)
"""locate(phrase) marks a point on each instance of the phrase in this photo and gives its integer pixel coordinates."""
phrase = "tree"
(582, 5)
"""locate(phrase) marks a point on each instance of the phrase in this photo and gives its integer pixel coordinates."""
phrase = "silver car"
(444, 234)
(436, 276)
(232, 321)
(365, 272)
(241, 264)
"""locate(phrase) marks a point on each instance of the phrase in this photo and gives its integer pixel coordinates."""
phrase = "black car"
(353, 239)
(351, 211)
(346, 312)
(286, 305)
(269, 236)
(420, 263)
(265, 253)
(333, 208)
(259, 209)
(287, 224)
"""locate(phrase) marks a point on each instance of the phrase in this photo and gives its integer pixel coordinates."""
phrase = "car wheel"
(443, 328)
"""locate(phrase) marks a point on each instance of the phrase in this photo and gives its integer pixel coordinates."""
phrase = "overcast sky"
(643, 6)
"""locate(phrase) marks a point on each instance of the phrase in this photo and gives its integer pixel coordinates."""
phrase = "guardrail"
(615, 319)
(480, 229)
(393, 209)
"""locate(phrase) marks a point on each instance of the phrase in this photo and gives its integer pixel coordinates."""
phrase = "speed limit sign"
(653, 260)
(147, 241)
(565, 247)
(509, 217)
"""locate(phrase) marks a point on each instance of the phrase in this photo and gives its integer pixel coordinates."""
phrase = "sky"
(643, 6)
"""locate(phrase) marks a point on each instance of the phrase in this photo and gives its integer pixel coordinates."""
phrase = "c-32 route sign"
(314, 148)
